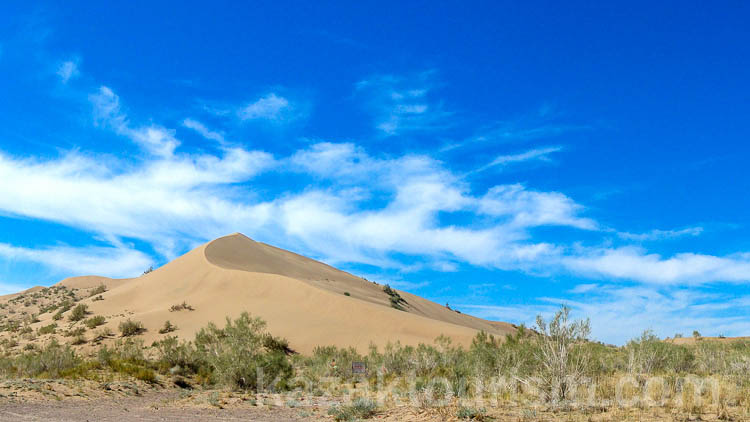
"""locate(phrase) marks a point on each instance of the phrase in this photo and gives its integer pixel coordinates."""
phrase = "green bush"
(167, 328)
(78, 313)
(243, 355)
(95, 321)
(53, 361)
(78, 340)
(75, 332)
(127, 358)
(47, 329)
(396, 300)
(98, 290)
(131, 328)
(64, 307)
(471, 413)
(360, 408)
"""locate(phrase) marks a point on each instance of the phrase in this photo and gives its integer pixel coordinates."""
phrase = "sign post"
(359, 368)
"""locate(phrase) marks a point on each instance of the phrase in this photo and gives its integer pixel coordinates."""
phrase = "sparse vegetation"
(98, 290)
(471, 413)
(131, 328)
(181, 307)
(167, 328)
(75, 332)
(78, 340)
(95, 321)
(554, 364)
(47, 329)
(102, 334)
(78, 313)
(360, 408)
(395, 298)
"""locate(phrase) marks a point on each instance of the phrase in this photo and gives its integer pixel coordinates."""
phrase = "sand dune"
(301, 299)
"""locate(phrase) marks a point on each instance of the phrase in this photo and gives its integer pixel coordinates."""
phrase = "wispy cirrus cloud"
(404, 104)
(68, 70)
(155, 139)
(271, 107)
(661, 234)
(201, 129)
(536, 154)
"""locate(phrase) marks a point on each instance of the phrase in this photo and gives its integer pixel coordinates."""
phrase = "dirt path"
(149, 407)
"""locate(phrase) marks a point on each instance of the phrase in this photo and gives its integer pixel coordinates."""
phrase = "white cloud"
(661, 234)
(269, 107)
(620, 313)
(527, 208)
(355, 207)
(633, 263)
(68, 70)
(203, 130)
(105, 261)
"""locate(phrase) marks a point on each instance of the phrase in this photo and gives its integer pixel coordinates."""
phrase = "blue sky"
(503, 157)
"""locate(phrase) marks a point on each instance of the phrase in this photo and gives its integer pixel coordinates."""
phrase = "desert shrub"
(47, 329)
(13, 326)
(167, 328)
(95, 321)
(126, 357)
(181, 358)
(647, 354)
(78, 340)
(360, 408)
(74, 332)
(102, 333)
(395, 298)
(78, 313)
(53, 360)
(240, 357)
(97, 298)
(561, 362)
(48, 308)
(131, 328)
(471, 413)
(347, 294)
(181, 307)
(98, 290)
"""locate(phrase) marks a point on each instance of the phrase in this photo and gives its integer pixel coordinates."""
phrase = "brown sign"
(359, 368)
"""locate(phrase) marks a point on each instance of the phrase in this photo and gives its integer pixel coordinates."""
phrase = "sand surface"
(301, 299)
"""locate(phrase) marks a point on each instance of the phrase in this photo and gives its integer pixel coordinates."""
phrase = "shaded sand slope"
(301, 299)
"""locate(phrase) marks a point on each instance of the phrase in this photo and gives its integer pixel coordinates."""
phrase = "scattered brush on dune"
(551, 368)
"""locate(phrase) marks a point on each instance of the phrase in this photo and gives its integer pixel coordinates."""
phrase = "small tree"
(561, 361)
(696, 334)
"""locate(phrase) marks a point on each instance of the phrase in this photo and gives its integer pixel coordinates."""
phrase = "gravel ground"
(149, 407)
